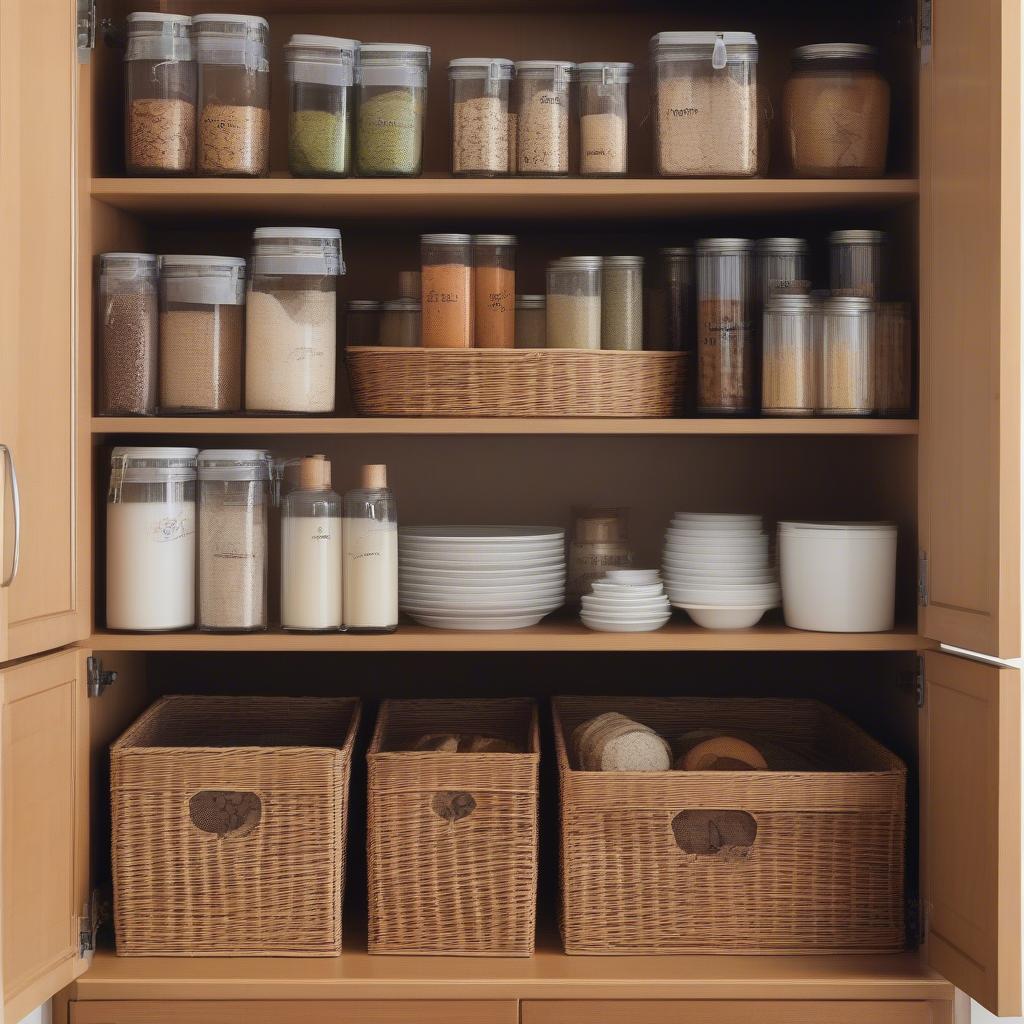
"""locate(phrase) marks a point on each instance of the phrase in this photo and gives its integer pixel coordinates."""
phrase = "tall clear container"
(599, 542)
(574, 302)
(362, 322)
(846, 346)
(856, 263)
(780, 264)
(788, 357)
(479, 88)
(894, 359)
(543, 104)
(370, 541)
(672, 313)
(446, 280)
(160, 94)
(622, 303)
(401, 323)
(604, 117)
(494, 290)
(531, 321)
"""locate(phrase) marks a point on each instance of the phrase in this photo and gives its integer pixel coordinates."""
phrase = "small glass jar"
(160, 94)
(446, 281)
(622, 303)
(392, 105)
(599, 542)
(846, 342)
(400, 323)
(574, 302)
(479, 89)
(531, 321)
(855, 262)
(725, 336)
(494, 290)
(671, 312)
(321, 74)
(362, 323)
(704, 95)
(290, 319)
(234, 507)
(202, 321)
(543, 101)
(788, 358)
(835, 108)
(894, 359)
(604, 117)
(233, 135)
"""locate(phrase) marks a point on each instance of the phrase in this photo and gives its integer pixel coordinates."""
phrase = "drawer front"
(745, 1011)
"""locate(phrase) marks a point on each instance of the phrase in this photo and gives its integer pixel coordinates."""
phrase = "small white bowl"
(633, 577)
(637, 608)
(710, 617)
(617, 589)
(602, 625)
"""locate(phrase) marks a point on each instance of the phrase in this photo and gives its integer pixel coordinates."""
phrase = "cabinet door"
(730, 1011)
(970, 821)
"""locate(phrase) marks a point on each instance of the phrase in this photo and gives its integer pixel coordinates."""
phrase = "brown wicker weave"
(516, 382)
(824, 873)
(229, 826)
(452, 838)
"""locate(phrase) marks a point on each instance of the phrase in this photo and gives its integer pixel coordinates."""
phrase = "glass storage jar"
(160, 94)
(233, 136)
(599, 542)
(894, 359)
(543, 95)
(835, 110)
(234, 507)
(127, 315)
(788, 358)
(151, 540)
(494, 290)
(392, 105)
(446, 280)
(409, 284)
(780, 264)
(400, 323)
(479, 89)
(574, 302)
(290, 319)
(855, 261)
(672, 314)
(531, 321)
(604, 117)
(321, 74)
(202, 320)
(846, 337)
(704, 94)
(362, 322)
(622, 303)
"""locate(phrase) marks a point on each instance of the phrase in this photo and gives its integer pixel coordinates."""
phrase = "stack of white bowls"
(480, 577)
(626, 601)
(719, 569)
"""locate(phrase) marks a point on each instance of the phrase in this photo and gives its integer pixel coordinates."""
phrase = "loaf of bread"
(706, 750)
(439, 743)
(614, 743)
(455, 743)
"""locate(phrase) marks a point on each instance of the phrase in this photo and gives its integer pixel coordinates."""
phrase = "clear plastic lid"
(857, 237)
(398, 65)
(561, 72)
(721, 48)
(395, 53)
(707, 246)
(321, 60)
(858, 54)
(781, 246)
(446, 238)
(203, 280)
(605, 72)
(149, 464)
(623, 262)
(128, 264)
(289, 250)
(234, 464)
(495, 240)
(493, 68)
(577, 263)
(237, 39)
(154, 36)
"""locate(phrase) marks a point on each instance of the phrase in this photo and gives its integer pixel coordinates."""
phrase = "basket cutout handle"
(225, 813)
(711, 833)
(453, 805)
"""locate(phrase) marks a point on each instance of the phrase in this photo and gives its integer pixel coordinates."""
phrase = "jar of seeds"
(531, 321)
(622, 303)
(846, 336)
(543, 95)
(574, 302)
(400, 323)
(479, 88)
(894, 359)
(604, 117)
(362, 323)
(855, 263)
(788, 359)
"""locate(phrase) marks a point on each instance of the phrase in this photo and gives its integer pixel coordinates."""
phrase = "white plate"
(720, 517)
(717, 543)
(488, 563)
(637, 608)
(604, 587)
(481, 592)
(632, 577)
(470, 622)
(476, 534)
(702, 583)
(603, 625)
(481, 611)
(726, 618)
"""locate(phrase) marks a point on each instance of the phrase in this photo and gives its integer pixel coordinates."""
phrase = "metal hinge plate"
(97, 678)
(924, 30)
(89, 924)
(86, 30)
(922, 578)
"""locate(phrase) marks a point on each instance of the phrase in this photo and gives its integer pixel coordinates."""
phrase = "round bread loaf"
(722, 754)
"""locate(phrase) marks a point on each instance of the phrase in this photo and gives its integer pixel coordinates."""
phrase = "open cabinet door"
(970, 817)
(970, 327)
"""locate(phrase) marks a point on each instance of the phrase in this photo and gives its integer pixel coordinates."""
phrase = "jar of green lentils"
(392, 103)
(321, 74)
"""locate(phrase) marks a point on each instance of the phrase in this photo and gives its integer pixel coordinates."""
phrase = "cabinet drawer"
(739, 1011)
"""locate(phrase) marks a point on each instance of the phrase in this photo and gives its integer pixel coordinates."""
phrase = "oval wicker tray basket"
(516, 382)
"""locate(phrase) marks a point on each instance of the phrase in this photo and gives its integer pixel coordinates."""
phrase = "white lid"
(721, 47)
(703, 38)
(153, 453)
(233, 19)
(140, 259)
(296, 233)
(607, 72)
(326, 42)
(488, 67)
(149, 465)
(144, 16)
(394, 48)
(297, 250)
(839, 526)
(234, 464)
(177, 260)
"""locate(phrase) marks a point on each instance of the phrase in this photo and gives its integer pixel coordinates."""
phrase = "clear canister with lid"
(788, 357)
(202, 322)
(604, 117)
(290, 319)
(543, 102)
(780, 264)
(321, 74)
(622, 303)
(392, 105)
(494, 290)
(446, 283)
(531, 321)
(894, 359)
(362, 323)
(160, 94)
(846, 344)
(574, 302)
(479, 88)
(400, 323)
(856, 263)
(672, 315)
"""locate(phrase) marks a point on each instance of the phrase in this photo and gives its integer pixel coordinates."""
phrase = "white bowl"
(635, 608)
(743, 599)
(614, 589)
(632, 577)
(726, 618)
(612, 626)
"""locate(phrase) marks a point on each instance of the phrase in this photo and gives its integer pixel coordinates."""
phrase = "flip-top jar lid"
(606, 72)
(231, 24)
(157, 36)
(481, 67)
(859, 53)
(232, 39)
(721, 47)
(321, 60)
(203, 280)
(336, 48)
(857, 237)
(297, 250)
(151, 464)
(234, 464)
(395, 53)
(781, 246)
(560, 71)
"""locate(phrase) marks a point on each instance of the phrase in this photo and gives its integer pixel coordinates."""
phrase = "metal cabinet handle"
(12, 473)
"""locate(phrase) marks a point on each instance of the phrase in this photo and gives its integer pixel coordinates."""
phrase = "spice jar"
(672, 315)
(446, 280)
(855, 261)
(160, 94)
(233, 136)
(151, 541)
(479, 88)
(846, 345)
(234, 506)
(126, 329)
(542, 116)
(574, 302)
(599, 542)
(494, 290)
(362, 323)
(894, 368)
(290, 334)
(392, 102)
(531, 321)
(835, 108)
(604, 117)
(704, 93)
(725, 343)
(788, 357)
(321, 73)
(622, 303)
(202, 318)
(400, 323)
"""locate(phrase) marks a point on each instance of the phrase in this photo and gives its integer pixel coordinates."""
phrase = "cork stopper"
(315, 473)
(374, 478)
(603, 530)
(409, 284)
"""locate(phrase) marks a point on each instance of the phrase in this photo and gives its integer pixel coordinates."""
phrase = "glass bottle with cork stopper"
(370, 544)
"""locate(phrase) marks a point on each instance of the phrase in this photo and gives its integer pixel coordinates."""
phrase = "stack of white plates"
(718, 568)
(626, 601)
(480, 577)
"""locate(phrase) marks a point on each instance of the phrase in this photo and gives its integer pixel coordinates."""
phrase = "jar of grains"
(151, 539)
(531, 321)
(855, 262)
(494, 290)
(604, 117)
(479, 88)
(543, 95)
(846, 337)
(321, 73)
(894, 359)
(362, 323)
(835, 109)
(202, 320)
(234, 95)
(704, 89)
(446, 281)
(290, 326)
(788, 358)
(622, 303)
(400, 323)
(234, 506)
(672, 305)
(160, 94)
(574, 302)
(392, 103)
(126, 329)
(725, 342)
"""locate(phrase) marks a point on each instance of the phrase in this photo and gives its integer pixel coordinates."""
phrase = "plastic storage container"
(233, 136)
(446, 280)
(856, 262)
(400, 323)
(788, 357)
(531, 321)
(622, 303)
(543, 105)
(672, 306)
(362, 322)
(846, 344)
(780, 264)
(202, 321)
(479, 88)
(494, 290)
(574, 302)
(599, 542)
(369, 532)
(604, 117)
(160, 94)
(894, 359)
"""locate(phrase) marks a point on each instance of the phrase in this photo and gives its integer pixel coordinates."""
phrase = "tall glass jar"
(531, 321)
(604, 117)
(574, 302)
(446, 280)
(479, 89)
(290, 319)
(894, 359)
(160, 94)
(494, 289)
(233, 137)
(788, 357)
(672, 315)
(622, 303)
(321, 76)
(362, 323)
(400, 323)
(846, 343)
(202, 321)
(543, 104)
(369, 533)
(855, 262)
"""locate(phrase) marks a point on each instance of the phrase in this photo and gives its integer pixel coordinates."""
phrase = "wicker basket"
(816, 861)
(515, 382)
(229, 826)
(452, 838)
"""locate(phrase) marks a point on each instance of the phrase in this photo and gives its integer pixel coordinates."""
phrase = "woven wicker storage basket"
(822, 874)
(452, 838)
(229, 826)
(515, 382)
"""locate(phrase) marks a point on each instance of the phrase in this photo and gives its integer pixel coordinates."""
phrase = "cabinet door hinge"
(919, 681)
(97, 678)
(89, 924)
(86, 30)
(922, 578)
(924, 29)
